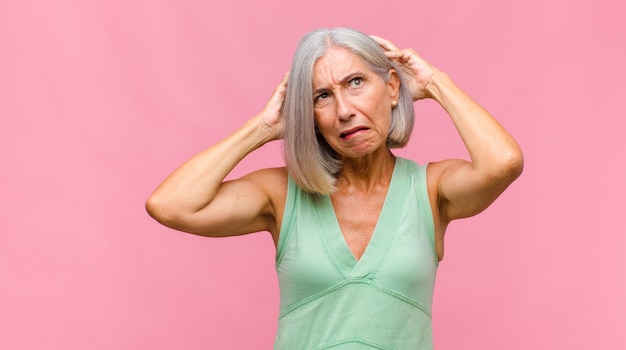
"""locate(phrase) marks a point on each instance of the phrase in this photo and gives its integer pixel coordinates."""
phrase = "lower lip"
(354, 134)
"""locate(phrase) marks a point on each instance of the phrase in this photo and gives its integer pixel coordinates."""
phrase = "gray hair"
(311, 162)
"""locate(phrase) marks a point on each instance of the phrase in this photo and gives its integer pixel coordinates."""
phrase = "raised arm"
(196, 199)
(467, 188)
(463, 188)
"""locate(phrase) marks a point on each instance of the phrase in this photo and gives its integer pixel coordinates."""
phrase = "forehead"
(336, 64)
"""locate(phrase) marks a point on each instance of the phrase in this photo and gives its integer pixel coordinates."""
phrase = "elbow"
(503, 168)
(167, 212)
(512, 165)
(157, 209)
(152, 206)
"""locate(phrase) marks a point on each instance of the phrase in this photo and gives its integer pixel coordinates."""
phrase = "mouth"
(351, 132)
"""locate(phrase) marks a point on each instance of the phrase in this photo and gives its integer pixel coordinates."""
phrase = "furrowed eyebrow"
(351, 76)
(319, 91)
(343, 81)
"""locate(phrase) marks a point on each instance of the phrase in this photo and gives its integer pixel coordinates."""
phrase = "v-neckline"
(374, 252)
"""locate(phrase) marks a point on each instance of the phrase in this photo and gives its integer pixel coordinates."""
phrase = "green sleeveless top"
(329, 300)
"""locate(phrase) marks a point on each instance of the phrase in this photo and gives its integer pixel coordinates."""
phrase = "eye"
(321, 97)
(356, 82)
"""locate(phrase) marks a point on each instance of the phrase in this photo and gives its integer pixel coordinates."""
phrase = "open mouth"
(350, 132)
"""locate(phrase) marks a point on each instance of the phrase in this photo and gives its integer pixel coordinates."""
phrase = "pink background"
(101, 99)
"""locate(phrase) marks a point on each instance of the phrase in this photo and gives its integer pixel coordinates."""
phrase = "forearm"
(491, 148)
(193, 185)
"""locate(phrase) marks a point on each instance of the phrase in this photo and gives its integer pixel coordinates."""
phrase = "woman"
(359, 232)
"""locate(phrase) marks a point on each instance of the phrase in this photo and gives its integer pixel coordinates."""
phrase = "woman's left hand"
(419, 72)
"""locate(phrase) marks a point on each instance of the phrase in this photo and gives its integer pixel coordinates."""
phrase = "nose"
(345, 109)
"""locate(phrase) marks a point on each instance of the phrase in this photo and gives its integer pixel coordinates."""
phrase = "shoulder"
(438, 170)
(268, 177)
(273, 183)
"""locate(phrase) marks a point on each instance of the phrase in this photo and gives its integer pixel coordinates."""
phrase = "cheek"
(322, 119)
(383, 115)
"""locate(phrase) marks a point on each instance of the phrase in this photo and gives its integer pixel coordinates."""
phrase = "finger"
(283, 82)
(395, 54)
(384, 43)
(280, 91)
(401, 55)
(282, 86)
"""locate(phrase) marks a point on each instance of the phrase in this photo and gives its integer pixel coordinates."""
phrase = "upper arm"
(249, 204)
(464, 191)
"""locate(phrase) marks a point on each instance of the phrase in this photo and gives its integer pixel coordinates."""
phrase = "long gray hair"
(311, 162)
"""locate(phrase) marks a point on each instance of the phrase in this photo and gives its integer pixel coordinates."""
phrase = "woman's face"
(352, 103)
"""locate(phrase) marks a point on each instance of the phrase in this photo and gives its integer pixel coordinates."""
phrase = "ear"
(394, 85)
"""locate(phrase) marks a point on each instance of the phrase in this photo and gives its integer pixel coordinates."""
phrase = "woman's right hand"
(271, 115)
(196, 198)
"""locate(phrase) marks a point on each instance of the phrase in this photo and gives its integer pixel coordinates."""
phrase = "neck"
(367, 172)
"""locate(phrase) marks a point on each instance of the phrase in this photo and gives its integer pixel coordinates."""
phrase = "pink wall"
(100, 99)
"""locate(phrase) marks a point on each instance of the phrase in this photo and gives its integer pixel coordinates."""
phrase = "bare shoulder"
(273, 183)
(436, 169)
(464, 190)
(446, 178)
